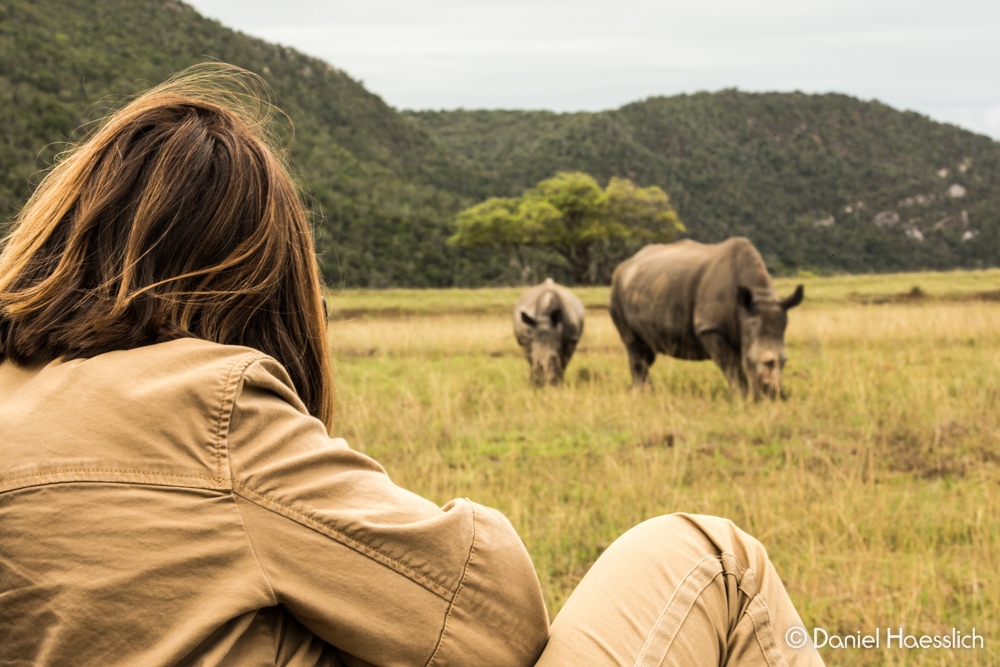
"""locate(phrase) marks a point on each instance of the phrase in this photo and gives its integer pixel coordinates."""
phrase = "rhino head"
(544, 347)
(762, 339)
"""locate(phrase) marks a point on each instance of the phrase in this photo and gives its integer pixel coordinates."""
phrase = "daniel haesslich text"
(890, 638)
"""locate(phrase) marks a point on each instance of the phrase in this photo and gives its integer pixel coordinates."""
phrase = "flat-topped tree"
(570, 216)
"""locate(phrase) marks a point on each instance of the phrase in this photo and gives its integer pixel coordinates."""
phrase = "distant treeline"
(819, 182)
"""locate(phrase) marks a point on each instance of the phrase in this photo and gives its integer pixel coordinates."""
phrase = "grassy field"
(954, 286)
(875, 487)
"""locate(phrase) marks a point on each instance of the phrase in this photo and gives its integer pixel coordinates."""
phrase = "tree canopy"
(578, 226)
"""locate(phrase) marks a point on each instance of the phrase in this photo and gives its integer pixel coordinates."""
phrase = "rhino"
(548, 323)
(698, 301)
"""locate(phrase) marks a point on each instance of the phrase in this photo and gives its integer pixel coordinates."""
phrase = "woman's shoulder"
(158, 410)
(180, 374)
(151, 369)
(183, 354)
(183, 365)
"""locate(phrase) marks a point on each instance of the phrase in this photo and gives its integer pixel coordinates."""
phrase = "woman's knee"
(725, 534)
(696, 536)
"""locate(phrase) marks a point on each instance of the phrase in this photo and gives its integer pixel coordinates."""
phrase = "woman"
(168, 491)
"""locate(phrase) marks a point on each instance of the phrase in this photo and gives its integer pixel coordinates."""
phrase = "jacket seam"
(132, 472)
(661, 637)
(226, 408)
(151, 484)
(253, 549)
(763, 632)
(461, 584)
(350, 542)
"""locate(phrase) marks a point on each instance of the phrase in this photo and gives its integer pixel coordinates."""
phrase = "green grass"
(875, 487)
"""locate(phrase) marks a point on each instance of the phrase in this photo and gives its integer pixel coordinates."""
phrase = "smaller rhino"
(548, 323)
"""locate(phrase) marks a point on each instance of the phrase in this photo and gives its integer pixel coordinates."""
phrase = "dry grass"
(875, 487)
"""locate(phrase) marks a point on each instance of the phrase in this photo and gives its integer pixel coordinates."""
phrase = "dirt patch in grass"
(918, 295)
(933, 455)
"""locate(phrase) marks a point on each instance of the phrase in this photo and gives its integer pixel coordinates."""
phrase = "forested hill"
(388, 191)
(816, 181)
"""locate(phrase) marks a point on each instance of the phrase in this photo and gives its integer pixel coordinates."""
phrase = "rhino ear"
(794, 299)
(744, 297)
(528, 319)
(556, 317)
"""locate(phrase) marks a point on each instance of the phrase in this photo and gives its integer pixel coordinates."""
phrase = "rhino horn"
(794, 299)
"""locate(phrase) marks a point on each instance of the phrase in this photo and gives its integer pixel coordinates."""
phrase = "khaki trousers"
(682, 590)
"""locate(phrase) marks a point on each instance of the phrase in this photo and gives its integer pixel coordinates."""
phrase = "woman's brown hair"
(175, 219)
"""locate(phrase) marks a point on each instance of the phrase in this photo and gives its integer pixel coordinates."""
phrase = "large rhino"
(548, 323)
(697, 301)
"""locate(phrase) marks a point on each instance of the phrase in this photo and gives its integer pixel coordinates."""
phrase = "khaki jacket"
(176, 505)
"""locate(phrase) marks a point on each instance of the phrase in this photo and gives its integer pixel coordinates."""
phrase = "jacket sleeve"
(378, 572)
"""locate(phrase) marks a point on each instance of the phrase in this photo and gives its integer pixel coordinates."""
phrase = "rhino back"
(730, 264)
(668, 294)
(734, 263)
(653, 297)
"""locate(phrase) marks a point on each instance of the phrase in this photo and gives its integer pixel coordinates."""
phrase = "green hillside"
(821, 182)
(386, 190)
(816, 181)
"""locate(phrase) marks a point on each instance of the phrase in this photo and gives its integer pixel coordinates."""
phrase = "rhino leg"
(727, 358)
(640, 358)
(566, 351)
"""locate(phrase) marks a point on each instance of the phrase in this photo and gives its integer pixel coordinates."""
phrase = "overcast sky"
(939, 58)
